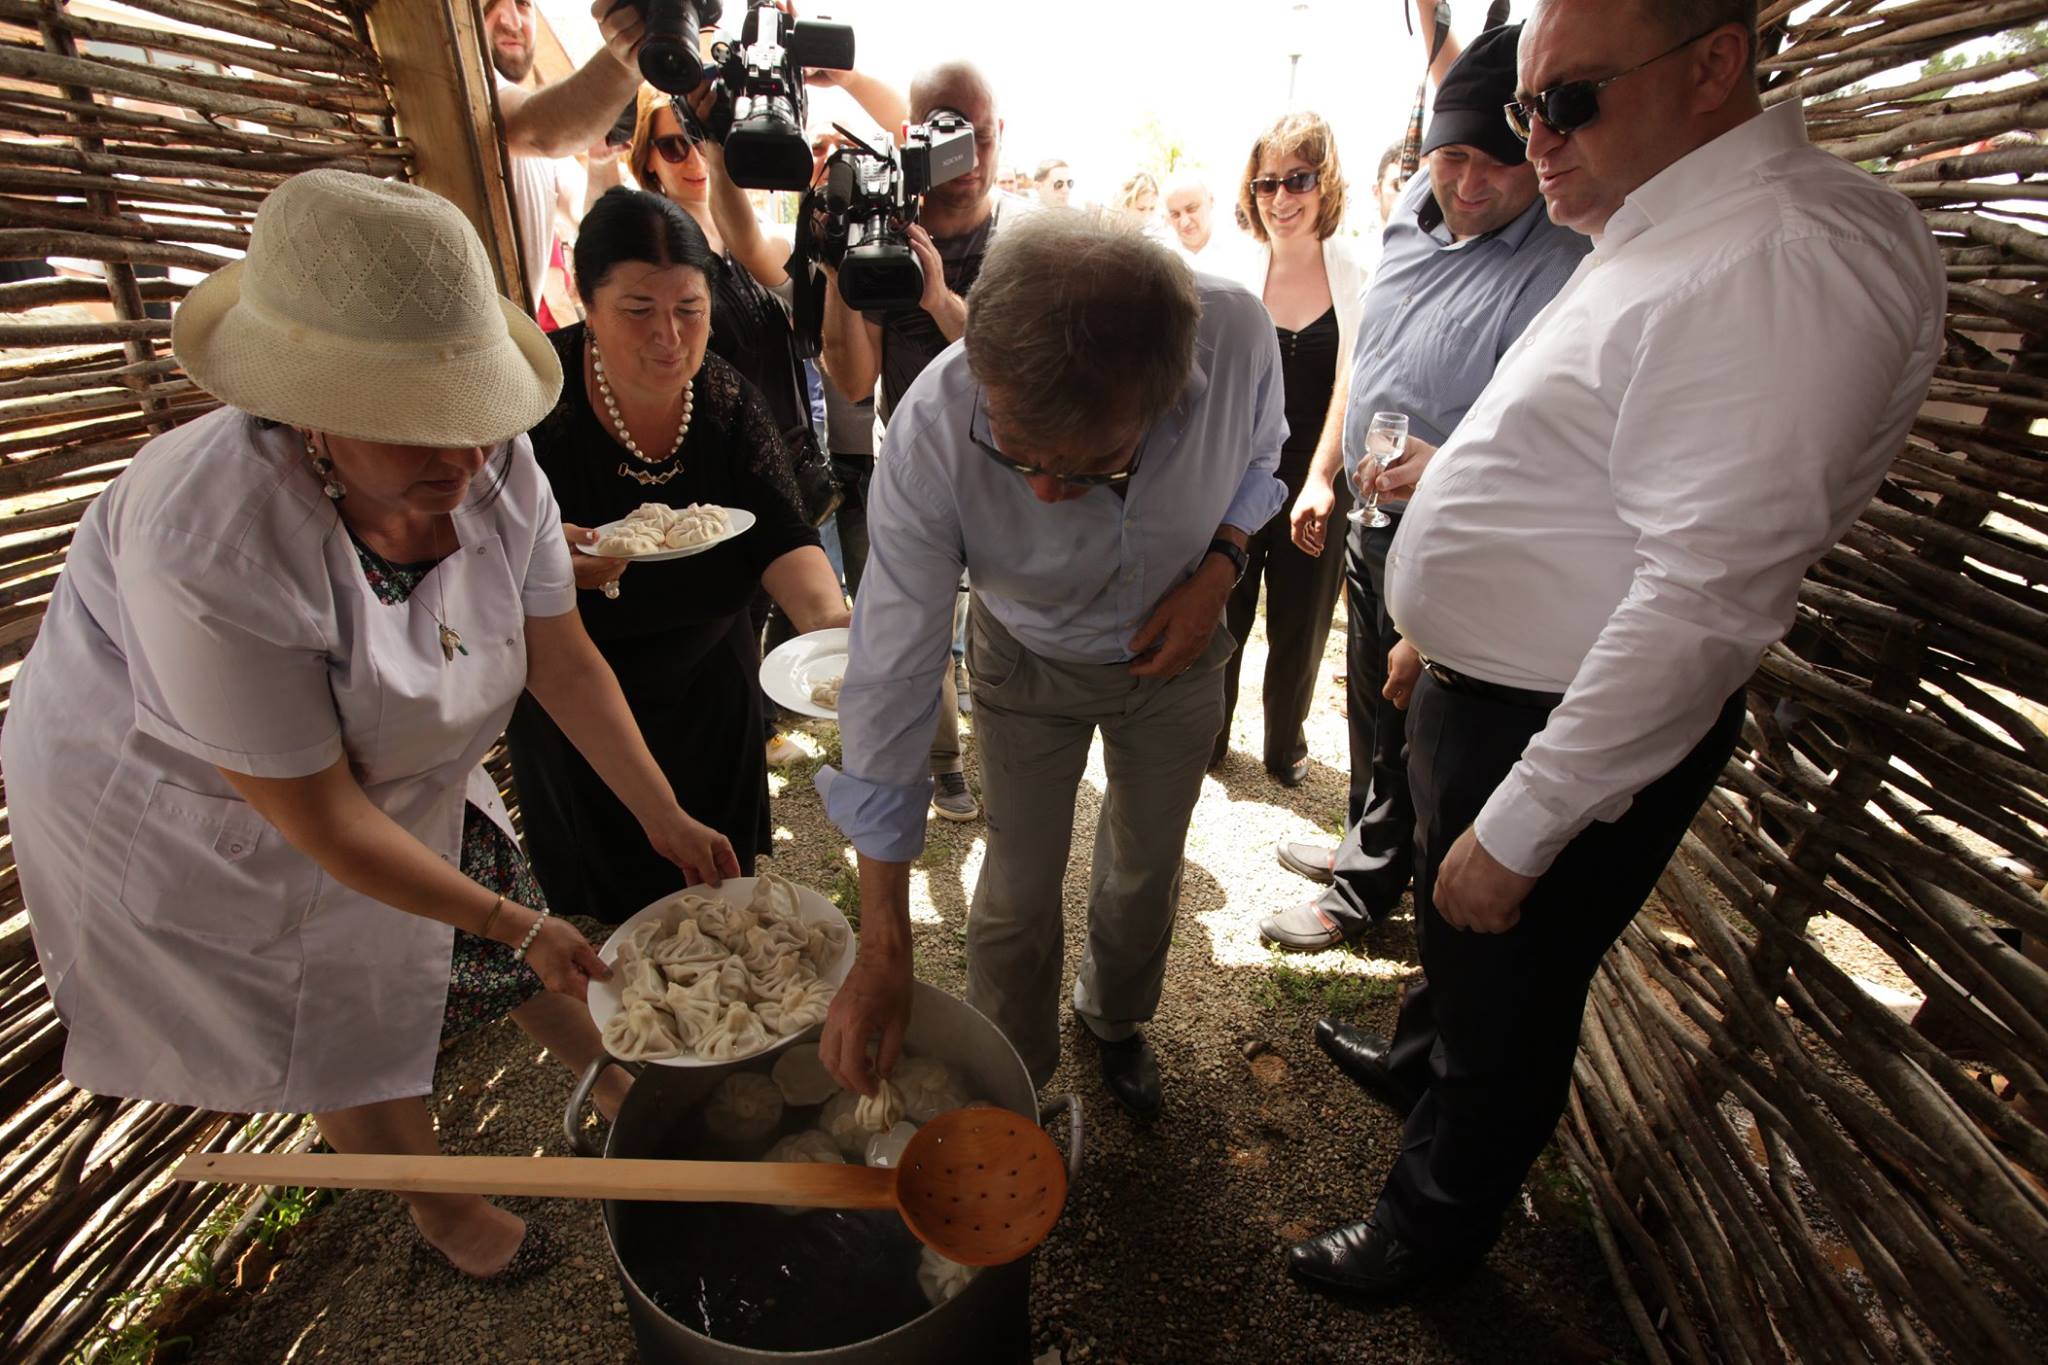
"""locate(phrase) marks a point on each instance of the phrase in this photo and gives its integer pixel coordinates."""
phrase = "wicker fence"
(1779, 1161)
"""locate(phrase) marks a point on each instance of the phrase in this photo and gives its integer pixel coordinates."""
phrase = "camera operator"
(885, 352)
(543, 126)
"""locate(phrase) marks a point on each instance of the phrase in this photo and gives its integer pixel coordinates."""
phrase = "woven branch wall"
(1780, 1163)
(1788, 1153)
(135, 145)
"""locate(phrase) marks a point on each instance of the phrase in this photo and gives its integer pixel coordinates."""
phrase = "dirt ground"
(1171, 1246)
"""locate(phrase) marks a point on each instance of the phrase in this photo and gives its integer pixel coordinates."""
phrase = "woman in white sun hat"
(264, 868)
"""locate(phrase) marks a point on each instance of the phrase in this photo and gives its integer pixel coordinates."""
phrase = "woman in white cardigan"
(1292, 193)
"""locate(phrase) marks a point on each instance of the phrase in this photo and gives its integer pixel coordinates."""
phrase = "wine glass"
(1385, 439)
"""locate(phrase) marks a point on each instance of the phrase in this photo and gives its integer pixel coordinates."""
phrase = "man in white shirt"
(560, 120)
(1593, 563)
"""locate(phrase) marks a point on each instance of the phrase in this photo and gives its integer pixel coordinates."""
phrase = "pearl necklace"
(611, 406)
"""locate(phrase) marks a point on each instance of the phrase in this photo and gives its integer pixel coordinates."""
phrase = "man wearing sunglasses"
(1595, 561)
(1097, 469)
(1467, 259)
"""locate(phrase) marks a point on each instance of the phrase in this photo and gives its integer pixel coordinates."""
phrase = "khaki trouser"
(1034, 720)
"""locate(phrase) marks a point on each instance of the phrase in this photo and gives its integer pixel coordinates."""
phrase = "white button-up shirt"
(1625, 515)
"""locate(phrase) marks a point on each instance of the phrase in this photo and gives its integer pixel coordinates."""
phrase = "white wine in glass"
(1385, 439)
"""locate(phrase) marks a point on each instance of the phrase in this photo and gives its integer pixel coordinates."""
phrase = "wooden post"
(444, 91)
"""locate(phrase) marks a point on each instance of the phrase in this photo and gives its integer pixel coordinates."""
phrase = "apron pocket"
(211, 867)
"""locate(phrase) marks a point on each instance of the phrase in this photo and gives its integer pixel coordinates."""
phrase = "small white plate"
(603, 996)
(794, 667)
(740, 517)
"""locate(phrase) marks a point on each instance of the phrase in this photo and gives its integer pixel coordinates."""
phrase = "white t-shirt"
(533, 211)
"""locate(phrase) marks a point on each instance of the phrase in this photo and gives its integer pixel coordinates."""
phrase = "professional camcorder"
(669, 56)
(857, 220)
(758, 105)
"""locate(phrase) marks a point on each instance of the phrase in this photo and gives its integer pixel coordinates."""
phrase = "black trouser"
(1301, 596)
(1487, 1037)
(1377, 854)
(854, 472)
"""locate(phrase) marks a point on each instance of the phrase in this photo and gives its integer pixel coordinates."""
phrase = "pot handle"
(1070, 1105)
(580, 1142)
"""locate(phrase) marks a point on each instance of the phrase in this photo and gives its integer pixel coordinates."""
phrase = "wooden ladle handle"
(804, 1184)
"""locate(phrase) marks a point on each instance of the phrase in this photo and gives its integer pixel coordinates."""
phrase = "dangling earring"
(324, 467)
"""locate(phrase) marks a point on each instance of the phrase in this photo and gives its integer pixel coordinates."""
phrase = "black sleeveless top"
(1308, 372)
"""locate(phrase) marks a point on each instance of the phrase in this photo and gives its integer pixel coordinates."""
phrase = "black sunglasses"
(1032, 471)
(1566, 108)
(1297, 182)
(674, 148)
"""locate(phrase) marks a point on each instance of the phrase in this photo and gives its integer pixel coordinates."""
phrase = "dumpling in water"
(928, 1088)
(939, 1278)
(738, 1034)
(641, 1031)
(745, 1108)
(851, 1118)
(797, 1008)
(809, 1145)
(802, 1077)
(886, 1149)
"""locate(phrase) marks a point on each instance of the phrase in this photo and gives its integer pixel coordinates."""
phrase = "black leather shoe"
(1363, 1057)
(1130, 1069)
(1366, 1260)
(1293, 775)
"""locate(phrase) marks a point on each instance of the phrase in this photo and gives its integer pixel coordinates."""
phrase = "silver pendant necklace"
(644, 477)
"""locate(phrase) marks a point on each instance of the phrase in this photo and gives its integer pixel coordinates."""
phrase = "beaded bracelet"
(532, 932)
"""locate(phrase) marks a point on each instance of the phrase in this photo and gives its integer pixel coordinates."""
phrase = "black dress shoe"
(1363, 1057)
(1130, 1070)
(1293, 775)
(1366, 1260)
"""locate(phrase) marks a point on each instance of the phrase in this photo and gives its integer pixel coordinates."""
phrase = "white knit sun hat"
(365, 308)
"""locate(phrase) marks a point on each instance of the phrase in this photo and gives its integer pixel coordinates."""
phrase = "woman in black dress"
(647, 416)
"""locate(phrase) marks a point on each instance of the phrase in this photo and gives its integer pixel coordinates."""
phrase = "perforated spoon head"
(981, 1186)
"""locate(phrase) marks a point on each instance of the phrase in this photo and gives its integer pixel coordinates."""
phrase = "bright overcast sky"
(1078, 82)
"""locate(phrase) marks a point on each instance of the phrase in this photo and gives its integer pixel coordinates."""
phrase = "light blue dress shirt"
(1072, 581)
(1440, 314)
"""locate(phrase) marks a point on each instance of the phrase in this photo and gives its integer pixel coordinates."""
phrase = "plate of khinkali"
(713, 975)
(655, 530)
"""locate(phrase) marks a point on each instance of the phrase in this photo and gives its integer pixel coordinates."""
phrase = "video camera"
(759, 108)
(856, 221)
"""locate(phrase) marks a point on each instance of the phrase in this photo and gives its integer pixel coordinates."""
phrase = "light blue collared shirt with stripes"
(1072, 581)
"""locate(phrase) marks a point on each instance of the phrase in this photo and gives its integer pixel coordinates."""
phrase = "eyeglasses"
(1566, 108)
(1032, 471)
(1295, 182)
(674, 148)
(1062, 184)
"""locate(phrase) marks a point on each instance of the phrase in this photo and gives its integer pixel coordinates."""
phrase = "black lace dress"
(677, 636)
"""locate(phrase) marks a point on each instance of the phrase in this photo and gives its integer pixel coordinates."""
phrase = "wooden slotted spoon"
(978, 1186)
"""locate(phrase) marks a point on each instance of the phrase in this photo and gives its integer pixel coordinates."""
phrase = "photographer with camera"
(885, 350)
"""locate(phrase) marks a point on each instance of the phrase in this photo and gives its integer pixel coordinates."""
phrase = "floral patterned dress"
(486, 981)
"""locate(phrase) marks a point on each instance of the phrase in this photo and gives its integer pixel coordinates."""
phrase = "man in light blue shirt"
(1095, 453)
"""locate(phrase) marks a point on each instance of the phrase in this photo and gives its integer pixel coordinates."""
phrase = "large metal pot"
(989, 1320)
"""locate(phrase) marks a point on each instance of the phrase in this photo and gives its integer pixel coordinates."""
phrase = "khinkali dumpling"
(640, 1031)
(696, 1008)
(745, 1108)
(802, 1077)
(738, 1034)
(666, 943)
(797, 1008)
(726, 922)
(762, 946)
(928, 1088)
(641, 981)
(734, 985)
(886, 1149)
(809, 1145)
(776, 900)
(779, 975)
(939, 1278)
(853, 1118)
(823, 943)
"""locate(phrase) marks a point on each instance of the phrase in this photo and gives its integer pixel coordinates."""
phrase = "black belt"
(1455, 681)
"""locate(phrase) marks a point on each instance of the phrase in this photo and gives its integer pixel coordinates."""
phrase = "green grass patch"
(845, 894)
(1333, 991)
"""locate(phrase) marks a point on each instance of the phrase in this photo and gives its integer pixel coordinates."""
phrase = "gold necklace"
(450, 637)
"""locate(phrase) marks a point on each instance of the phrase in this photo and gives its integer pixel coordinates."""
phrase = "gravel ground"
(1171, 1246)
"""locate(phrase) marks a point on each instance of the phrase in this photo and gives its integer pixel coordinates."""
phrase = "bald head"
(1189, 205)
(961, 204)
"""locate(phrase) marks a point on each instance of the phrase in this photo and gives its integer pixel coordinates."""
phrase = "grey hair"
(947, 86)
(1076, 321)
(1689, 18)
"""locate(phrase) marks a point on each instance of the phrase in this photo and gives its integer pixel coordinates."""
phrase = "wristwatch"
(1232, 552)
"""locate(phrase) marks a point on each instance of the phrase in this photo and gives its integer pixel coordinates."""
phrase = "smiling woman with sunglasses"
(1313, 285)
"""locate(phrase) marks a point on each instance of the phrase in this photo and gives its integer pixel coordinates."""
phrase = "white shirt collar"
(1706, 173)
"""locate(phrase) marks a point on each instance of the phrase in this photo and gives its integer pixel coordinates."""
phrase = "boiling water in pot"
(766, 1279)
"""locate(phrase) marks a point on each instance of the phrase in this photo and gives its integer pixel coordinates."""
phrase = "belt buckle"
(1440, 673)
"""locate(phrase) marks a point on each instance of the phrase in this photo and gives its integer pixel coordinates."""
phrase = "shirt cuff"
(1255, 503)
(547, 602)
(314, 758)
(1518, 831)
(882, 820)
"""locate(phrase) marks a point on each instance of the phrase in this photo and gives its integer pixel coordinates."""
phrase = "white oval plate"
(603, 997)
(793, 667)
(741, 519)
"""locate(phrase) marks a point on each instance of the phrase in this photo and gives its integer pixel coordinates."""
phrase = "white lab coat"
(213, 614)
